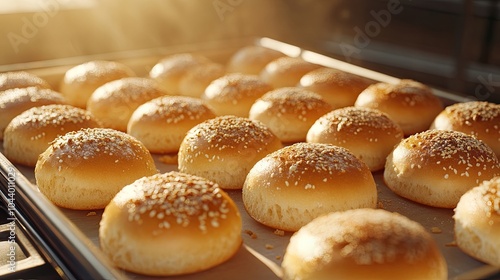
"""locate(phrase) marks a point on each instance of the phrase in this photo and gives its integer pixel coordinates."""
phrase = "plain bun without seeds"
(84, 169)
(363, 244)
(436, 167)
(290, 187)
(170, 224)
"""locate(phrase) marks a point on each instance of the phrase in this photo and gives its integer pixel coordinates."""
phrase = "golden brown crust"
(477, 222)
(29, 134)
(436, 167)
(234, 94)
(402, 102)
(82, 80)
(21, 79)
(84, 169)
(181, 224)
(363, 243)
(224, 149)
(286, 71)
(15, 101)
(113, 103)
(339, 88)
(252, 59)
(478, 118)
(289, 112)
(169, 71)
(290, 187)
(163, 122)
(367, 133)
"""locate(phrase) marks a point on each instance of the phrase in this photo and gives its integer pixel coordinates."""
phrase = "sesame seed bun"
(252, 59)
(292, 186)
(197, 79)
(113, 103)
(21, 79)
(15, 101)
(80, 81)
(225, 148)
(84, 169)
(477, 222)
(286, 71)
(169, 71)
(363, 244)
(436, 167)
(170, 224)
(339, 88)
(289, 112)
(161, 124)
(367, 133)
(402, 102)
(29, 134)
(477, 118)
(234, 94)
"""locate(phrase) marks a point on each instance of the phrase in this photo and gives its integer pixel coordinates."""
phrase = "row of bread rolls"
(243, 148)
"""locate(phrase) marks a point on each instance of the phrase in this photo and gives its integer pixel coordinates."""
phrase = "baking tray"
(263, 248)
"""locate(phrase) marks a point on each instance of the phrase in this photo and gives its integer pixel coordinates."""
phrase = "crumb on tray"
(92, 213)
(279, 232)
(436, 230)
(251, 234)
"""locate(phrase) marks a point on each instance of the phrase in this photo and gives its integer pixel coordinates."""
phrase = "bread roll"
(478, 118)
(21, 79)
(169, 71)
(197, 79)
(29, 134)
(339, 88)
(403, 102)
(477, 222)
(170, 224)
(162, 123)
(84, 169)
(15, 101)
(289, 112)
(367, 133)
(292, 186)
(436, 167)
(113, 103)
(82, 80)
(286, 71)
(234, 94)
(251, 60)
(363, 244)
(225, 148)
